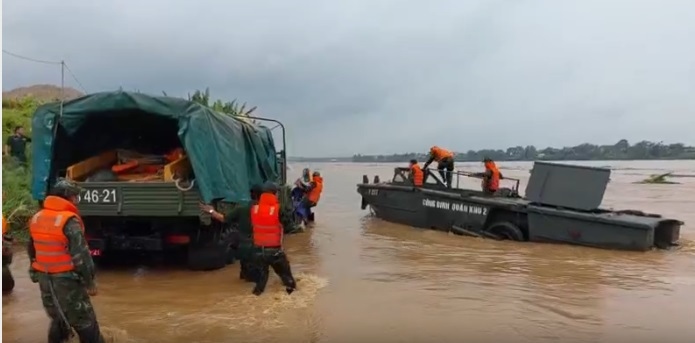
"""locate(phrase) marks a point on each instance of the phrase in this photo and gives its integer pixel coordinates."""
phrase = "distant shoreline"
(620, 151)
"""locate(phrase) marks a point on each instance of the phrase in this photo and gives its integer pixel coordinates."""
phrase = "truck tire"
(230, 238)
(207, 250)
(506, 230)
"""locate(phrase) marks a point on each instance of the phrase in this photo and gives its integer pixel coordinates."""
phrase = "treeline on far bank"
(622, 150)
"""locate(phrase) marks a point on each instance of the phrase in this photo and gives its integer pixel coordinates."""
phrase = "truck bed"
(157, 198)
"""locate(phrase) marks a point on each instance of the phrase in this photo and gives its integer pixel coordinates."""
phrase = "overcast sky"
(384, 76)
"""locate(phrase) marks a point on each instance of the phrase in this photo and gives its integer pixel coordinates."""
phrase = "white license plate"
(98, 196)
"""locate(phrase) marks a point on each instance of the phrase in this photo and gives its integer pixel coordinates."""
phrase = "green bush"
(17, 204)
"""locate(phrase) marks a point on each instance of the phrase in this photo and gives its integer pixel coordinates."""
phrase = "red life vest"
(265, 221)
(50, 243)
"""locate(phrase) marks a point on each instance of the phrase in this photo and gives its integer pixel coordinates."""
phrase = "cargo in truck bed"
(131, 166)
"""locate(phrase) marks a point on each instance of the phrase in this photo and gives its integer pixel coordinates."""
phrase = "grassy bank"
(17, 204)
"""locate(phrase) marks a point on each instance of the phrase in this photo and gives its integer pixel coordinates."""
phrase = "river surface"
(364, 279)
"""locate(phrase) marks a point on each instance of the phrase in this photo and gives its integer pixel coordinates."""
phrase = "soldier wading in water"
(63, 267)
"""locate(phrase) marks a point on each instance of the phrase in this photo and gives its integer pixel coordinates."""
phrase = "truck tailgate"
(156, 198)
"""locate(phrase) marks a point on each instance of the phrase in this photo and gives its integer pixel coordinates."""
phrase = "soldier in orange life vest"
(445, 160)
(416, 174)
(491, 177)
(267, 241)
(241, 216)
(315, 190)
(63, 267)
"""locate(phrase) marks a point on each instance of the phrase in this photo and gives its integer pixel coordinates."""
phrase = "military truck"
(176, 154)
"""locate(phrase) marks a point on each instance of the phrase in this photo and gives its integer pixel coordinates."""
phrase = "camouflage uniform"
(287, 215)
(240, 215)
(266, 258)
(7, 279)
(70, 291)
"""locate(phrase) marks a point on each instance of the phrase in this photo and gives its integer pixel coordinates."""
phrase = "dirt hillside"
(41, 92)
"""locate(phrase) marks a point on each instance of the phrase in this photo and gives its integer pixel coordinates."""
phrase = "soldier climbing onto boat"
(416, 174)
(491, 177)
(63, 267)
(445, 163)
(267, 240)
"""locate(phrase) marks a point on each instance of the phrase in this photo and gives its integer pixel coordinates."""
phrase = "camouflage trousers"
(245, 253)
(275, 258)
(69, 296)
(7, 279)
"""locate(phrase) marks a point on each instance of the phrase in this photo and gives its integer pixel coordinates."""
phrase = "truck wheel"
(506, 230)
(230, 239)
(207, 251)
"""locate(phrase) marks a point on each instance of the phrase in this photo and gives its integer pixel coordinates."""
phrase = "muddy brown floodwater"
(362, 278)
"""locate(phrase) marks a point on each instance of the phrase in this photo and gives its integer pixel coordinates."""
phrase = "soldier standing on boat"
(416, 174)
(63, 267)
(445, 163)
(491, 177)
(241, 216)
(267, 240)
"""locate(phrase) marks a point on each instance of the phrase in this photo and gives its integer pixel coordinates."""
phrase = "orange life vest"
(265, 221)
(492, 184)
(6, 243)
(50, 243)
(315, 193)
(439, 154)
(418, 175)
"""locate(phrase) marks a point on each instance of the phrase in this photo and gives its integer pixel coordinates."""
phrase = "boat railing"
(402, 174)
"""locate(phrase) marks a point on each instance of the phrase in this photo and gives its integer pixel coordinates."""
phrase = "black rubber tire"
(230, 238)
(506, 231)
(207, 251)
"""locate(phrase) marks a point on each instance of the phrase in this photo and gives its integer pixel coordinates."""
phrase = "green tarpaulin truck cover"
(228, 154)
